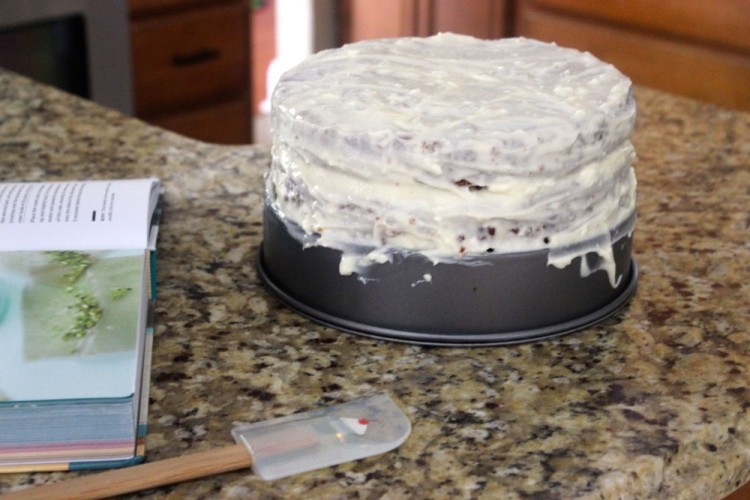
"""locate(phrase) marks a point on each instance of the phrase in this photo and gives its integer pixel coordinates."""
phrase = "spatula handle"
(141, 477)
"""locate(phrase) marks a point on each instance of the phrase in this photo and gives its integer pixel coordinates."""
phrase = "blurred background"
(205, 68)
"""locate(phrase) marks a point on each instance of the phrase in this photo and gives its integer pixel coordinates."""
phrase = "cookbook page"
(70, 324)
(76, 215)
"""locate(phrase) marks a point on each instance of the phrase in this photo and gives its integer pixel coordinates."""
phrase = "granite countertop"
(653, 402)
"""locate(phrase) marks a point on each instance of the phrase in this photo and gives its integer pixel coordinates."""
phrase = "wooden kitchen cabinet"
(726, 22)
(147, 7)
(365, 19)
(368, 19)
(689, 47)
(480, 18)
(694, 48)
(191, 67)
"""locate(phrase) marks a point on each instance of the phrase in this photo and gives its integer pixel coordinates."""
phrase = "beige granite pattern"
(654, 402)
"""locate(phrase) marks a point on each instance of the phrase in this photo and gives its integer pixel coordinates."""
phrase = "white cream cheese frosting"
(454, 148)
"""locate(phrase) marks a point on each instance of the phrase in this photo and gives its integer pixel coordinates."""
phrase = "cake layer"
(452, 146)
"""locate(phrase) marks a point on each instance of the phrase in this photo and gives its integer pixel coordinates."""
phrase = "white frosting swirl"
(452, 147)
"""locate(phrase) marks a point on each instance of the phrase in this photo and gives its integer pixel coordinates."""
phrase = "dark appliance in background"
(80, 46)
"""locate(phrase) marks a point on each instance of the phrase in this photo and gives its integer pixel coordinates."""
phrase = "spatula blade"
(323, 437)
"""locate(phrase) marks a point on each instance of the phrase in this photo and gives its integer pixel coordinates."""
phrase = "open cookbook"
(77, 287)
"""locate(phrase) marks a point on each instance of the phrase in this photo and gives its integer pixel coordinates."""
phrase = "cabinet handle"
(196, 57)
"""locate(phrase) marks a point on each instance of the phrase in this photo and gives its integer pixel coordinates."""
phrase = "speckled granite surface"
(652, 403)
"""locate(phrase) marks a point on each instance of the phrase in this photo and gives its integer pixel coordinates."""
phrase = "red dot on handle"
(363, 421)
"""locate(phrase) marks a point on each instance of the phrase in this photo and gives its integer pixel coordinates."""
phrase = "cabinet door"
(364, 19)
(479, 18)
(700, 71)
(368, 19)
(188, 59)
(225, 123)
(726, 22)
(147, 7)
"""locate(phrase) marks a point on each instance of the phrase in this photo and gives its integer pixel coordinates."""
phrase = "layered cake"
(457, 152)
(452, 147)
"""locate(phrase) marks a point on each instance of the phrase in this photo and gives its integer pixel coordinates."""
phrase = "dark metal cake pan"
(506, 299)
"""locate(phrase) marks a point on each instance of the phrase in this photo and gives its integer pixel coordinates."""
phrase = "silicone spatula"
(273, 448)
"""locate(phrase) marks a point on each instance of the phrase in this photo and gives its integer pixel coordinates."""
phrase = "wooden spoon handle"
(141, 477)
